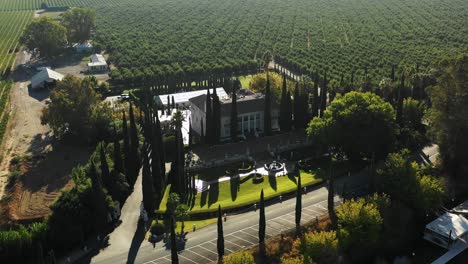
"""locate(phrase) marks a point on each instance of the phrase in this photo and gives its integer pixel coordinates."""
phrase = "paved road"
(120, 239)
(240, 231)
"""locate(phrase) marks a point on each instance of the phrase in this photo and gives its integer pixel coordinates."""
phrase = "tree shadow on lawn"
(235, 187)
(203, 198)
(213, 193)
(272, 181)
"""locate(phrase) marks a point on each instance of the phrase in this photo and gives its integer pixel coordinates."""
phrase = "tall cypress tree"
(267, 111)
(297, 108)
(262, 220)
(118, 164)
(262, 224)
(174, 256)
(209, 119)
(156, 169)
(283, 107)
(147, 184)
(135, 160)
(233, 125)
(106, 176)
(315, 104)
(289, 113)
(298, 203)
(216, 117)
(126, 151)
(220, 242)
(323, 96)
(99, 198)
(160, 144)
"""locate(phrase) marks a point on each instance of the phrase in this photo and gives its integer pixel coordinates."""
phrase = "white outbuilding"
(44, 77)
(97, 63)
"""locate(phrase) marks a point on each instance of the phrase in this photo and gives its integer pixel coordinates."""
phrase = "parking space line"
(243, 239)
(248, 234)
(208, 249)
(199, 255)
(233, 243)
(187, 259)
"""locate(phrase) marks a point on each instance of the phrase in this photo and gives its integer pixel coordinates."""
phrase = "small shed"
(83, 47)
(97, 63)
(44, 77)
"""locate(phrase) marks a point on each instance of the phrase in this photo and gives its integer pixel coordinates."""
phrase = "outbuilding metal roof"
(45, 75)
(449, 222)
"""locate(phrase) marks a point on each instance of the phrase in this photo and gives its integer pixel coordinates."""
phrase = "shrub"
(241, 257)
(321, 246)
(157, 229)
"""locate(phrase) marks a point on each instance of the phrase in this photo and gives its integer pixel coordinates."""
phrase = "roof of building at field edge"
(183, 98)
(97, 60)
(45, 75)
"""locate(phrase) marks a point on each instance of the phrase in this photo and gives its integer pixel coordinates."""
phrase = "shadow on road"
(138, 238)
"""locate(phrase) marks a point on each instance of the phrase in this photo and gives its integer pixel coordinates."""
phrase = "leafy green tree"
(46, 35)
(369, 123)
(406, 182)
(322, 246)
(75, 110)
(448, 117)
(412, 130)
(359, 226)
(172, 202)
(220, 242)
(99, 197)
(79, 22)
(182, 214)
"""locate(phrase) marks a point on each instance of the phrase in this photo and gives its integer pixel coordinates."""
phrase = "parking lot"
(244, 238)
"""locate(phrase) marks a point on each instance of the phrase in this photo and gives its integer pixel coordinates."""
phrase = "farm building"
(83, 47)
(97, 63)
(44, 77)
(182, 99)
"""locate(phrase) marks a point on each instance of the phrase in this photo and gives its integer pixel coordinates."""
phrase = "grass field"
(238, 193)
(11, 27)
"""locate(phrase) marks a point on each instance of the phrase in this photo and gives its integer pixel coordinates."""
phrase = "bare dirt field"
(46, 164)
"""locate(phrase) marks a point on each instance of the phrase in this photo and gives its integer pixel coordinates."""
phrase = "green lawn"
(241, 192)
(245, 80)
